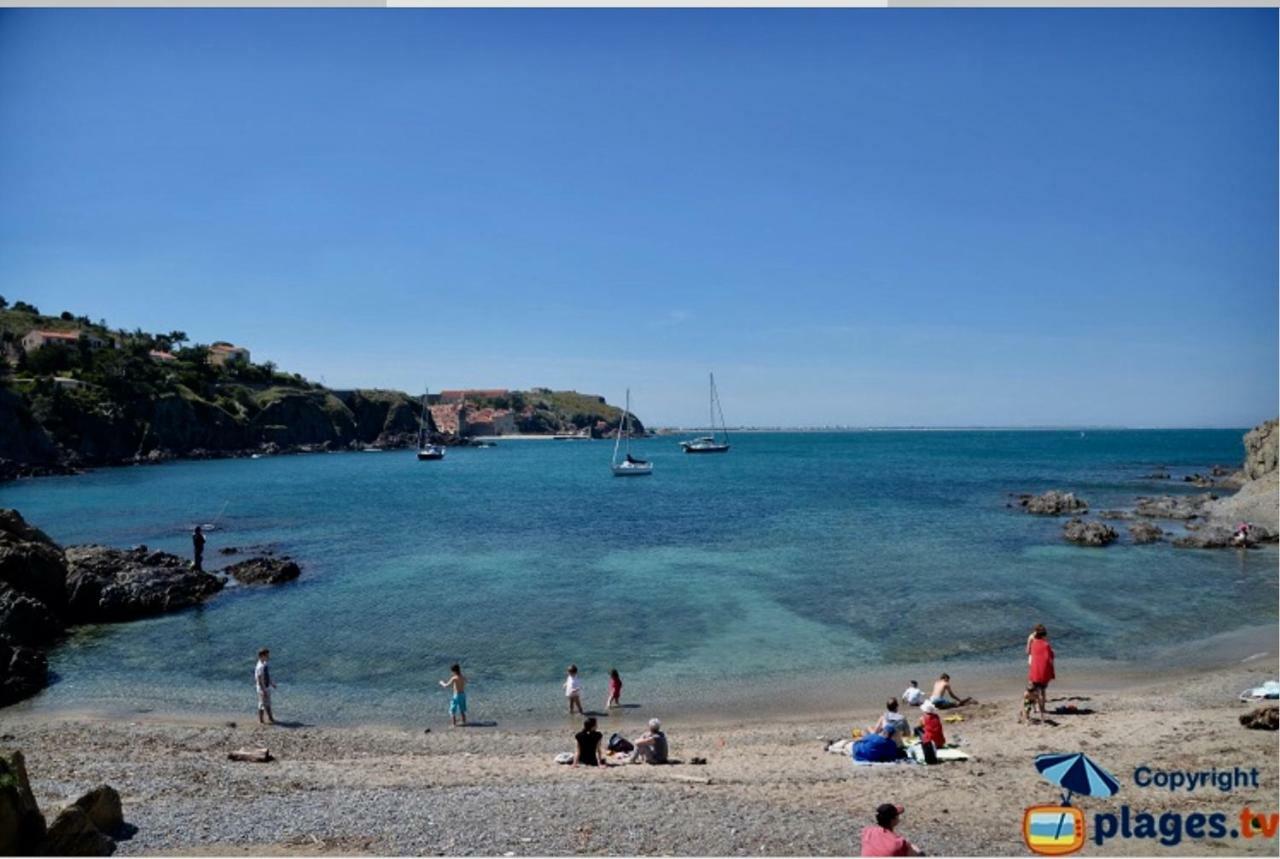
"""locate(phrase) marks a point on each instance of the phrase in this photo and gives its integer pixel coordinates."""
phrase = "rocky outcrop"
(1089, 533)
(264, 571)
(1261, 448)
(1218, 536)
(181, 422)
(1115, 514)
(22, 826)
(1257, 500)
(1174, 506)
(1054, 503)
(32, 598)
(305, 417)
(1145, 532)
(102, 805)
(72, 833)
(24, 443)
(107, 585)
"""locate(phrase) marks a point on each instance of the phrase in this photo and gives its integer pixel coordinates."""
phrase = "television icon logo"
(1053, 830)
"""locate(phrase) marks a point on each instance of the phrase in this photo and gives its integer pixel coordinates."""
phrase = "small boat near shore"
(629, 466)
(709, 443)
(426, 450)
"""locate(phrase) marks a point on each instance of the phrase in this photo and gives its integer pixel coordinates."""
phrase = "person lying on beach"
(651, 746)
(892, 723)
(573, 690)
(615, 690)
(913, 695)
(458, 703)
(588, 748)
(881, 840)
(944, 696)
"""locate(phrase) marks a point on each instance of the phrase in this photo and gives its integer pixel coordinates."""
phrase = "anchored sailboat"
(709, 443)
(426, 450)
(629, 466)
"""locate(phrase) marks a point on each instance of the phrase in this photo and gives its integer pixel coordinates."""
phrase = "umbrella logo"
(1055, 830)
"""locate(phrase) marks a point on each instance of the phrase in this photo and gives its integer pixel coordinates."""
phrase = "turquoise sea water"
(794, 556)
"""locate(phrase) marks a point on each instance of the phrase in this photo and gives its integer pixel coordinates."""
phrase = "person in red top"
(1040, 664)
(881, 840)
(615, 690)
(931, 725)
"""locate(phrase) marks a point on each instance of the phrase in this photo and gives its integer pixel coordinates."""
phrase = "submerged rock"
(106, 585)
(1089, 533)
(1174, 506)
(264, 571)
(1145, 532)
(1216, 536)
(1054, 503)
(1115, 514)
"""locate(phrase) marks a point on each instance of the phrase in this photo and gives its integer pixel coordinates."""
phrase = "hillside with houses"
(75, 392)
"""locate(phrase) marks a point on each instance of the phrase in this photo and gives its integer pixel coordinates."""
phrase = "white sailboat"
(426, 450)
(709, 443)
(629, 466)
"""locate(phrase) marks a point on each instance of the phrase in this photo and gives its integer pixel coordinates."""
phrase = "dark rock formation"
(1089, 533)
(31, 563)
(106, 585)
(72, 833)
(102, 805)
(1054, 503)
(1262, 719)
(1216, 536)
(1145, 532)
(264, 571)
(1261, 447)
(305, 417)
(1173, 506)
(22, 826)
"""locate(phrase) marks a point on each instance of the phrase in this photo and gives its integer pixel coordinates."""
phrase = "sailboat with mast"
(629, 466)
(710, 443)
(427, 450)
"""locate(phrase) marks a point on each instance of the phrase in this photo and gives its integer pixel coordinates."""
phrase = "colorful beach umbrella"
(1076, 773)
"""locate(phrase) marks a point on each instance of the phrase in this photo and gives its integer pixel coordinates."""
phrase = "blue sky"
(862, 217)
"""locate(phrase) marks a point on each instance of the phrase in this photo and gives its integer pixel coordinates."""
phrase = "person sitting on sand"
(573, 690)
(930, 729)
(1040, 665)
(881, 840)
(892, 723)
(615, 690)
(651, 746)
(458, 703)
(944, 696)
(588, 750)
(262, 680)
(913, 695)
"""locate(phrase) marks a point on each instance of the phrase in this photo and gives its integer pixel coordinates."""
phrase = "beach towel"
(956, 718)
(894, 763)
(1268, 690)
(945, 754)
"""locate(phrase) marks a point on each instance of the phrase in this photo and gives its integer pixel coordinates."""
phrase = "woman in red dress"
(1040, 664)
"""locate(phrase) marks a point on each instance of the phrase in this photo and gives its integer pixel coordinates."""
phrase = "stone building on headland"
(222, 353)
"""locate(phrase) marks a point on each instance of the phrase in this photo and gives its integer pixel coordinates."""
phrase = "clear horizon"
(860, 218)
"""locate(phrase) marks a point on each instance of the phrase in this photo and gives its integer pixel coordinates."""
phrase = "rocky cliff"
(1258, 501)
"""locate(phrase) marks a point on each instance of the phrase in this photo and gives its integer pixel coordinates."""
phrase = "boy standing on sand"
(458, 703)
(262, 680)
(573, 690)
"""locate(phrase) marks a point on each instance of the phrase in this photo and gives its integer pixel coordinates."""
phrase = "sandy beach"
(768, 787)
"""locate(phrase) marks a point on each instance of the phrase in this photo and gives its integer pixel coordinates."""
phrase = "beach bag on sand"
(874, 748)
(564, 758)
(619, 743)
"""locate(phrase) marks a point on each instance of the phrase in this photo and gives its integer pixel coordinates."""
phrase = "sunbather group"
(887, 740)
(648, 748)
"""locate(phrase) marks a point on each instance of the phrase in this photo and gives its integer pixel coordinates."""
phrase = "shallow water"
(792, 558)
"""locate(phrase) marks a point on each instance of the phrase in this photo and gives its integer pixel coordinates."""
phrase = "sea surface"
(795, 561)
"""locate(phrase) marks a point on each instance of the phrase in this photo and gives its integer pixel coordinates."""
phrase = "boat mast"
(422, 419)
(715, 401)
(617, 438)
